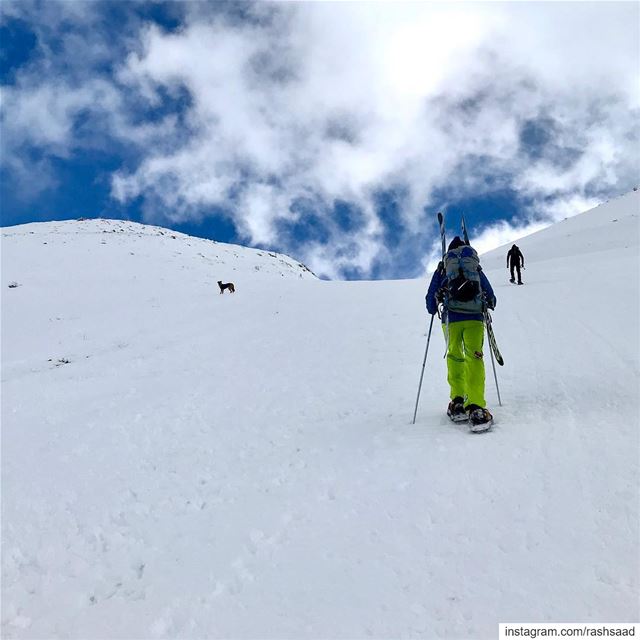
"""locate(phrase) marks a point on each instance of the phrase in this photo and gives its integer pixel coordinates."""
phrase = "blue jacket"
(455, 316)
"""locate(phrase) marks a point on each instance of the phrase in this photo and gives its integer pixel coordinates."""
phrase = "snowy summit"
(181, 463)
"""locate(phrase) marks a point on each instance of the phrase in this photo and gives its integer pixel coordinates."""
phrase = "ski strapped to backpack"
(442, 238)
(441, 267)
(492, 339)
(465, 235)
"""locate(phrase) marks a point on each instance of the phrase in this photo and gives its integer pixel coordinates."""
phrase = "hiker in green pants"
(460, 285)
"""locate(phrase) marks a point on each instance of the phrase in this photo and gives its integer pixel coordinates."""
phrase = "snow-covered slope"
(85, 286)
(177, 463)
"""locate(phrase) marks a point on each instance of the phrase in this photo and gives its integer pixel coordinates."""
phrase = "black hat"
(456, 242)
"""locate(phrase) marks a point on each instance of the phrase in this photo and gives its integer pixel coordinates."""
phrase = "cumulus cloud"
(276, 112)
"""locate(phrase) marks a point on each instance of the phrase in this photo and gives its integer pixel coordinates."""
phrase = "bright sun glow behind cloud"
(421, 49)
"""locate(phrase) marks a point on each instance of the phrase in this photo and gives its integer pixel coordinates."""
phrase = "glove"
(440, 295)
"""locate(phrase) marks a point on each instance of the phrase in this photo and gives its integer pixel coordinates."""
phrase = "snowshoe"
(479, 419)
(456, 410)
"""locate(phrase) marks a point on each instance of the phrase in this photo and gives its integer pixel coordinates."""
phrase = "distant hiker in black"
(515, 260)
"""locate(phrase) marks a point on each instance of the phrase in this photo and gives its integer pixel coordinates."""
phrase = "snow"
(178, 463)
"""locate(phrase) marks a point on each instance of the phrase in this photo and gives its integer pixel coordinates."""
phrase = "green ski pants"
(465, 366)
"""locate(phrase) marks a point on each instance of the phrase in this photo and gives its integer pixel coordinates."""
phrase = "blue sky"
(329, 131)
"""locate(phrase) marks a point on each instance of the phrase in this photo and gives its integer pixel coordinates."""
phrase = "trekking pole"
(422, 373)
(446, 345)
(493, 364)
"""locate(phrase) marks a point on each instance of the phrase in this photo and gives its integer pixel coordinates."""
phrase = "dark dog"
(226, 285)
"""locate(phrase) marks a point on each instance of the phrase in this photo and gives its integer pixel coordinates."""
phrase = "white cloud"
(44, 115)
(339, 100)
